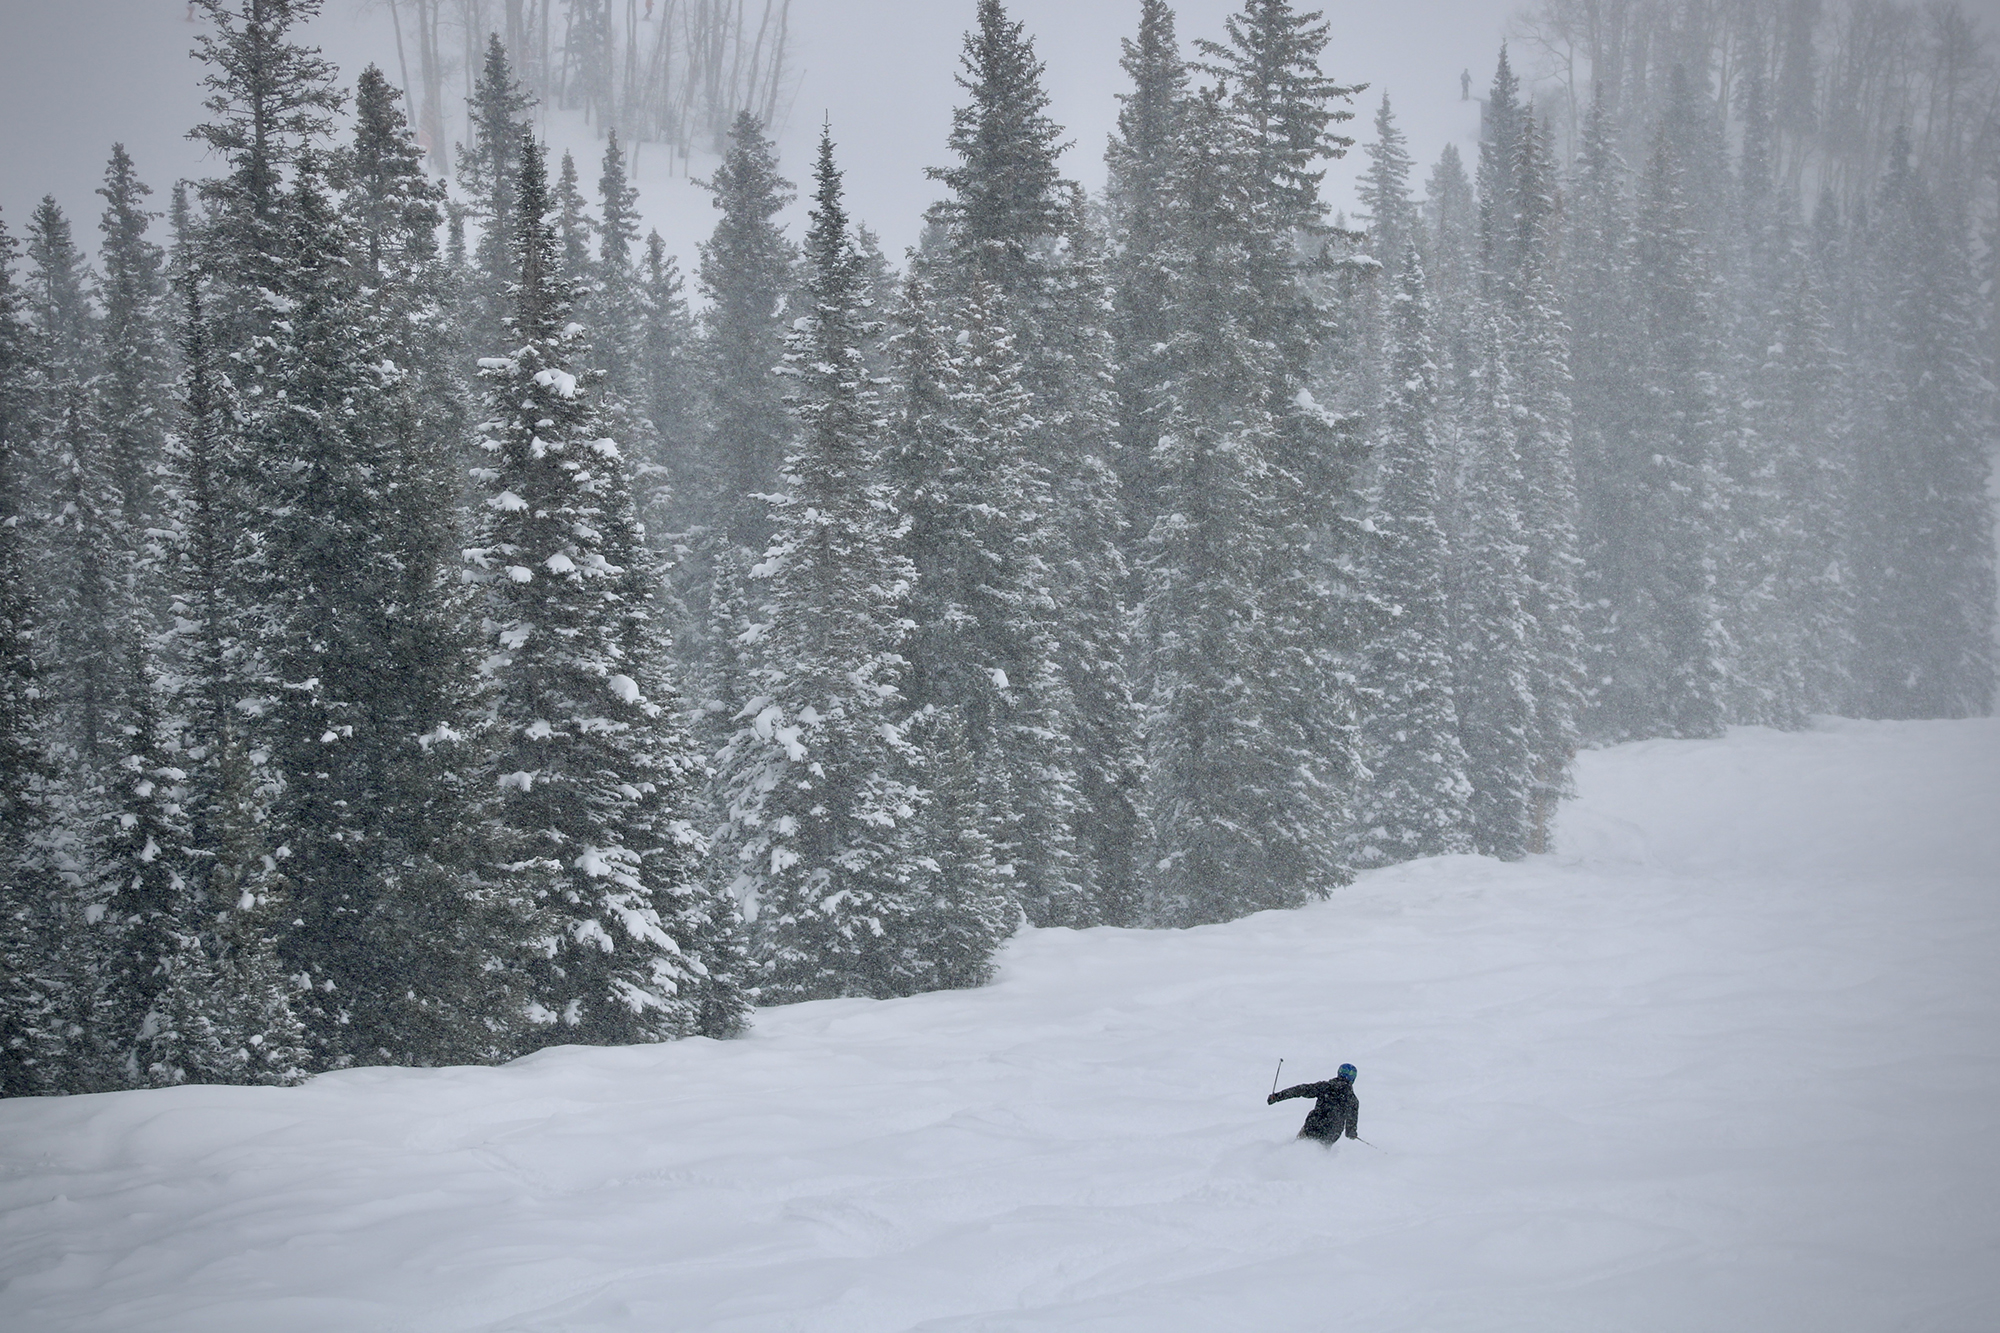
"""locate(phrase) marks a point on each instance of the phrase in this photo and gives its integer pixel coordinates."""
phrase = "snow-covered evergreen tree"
(1548, 503)
(270, 99)
(1923, 522)
(819, 777)
(1013, 245)
(1414, 802)
(1667, 667)
(1494, 684)
(1243, 749)
(487, 168)
(746, 272)
(136, 367)
(594, 766)
(672, 483)
(1140, 162)
(1385, 192)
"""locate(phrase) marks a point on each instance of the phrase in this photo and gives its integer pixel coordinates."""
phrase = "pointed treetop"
(1007, 191)
(1289, 108)
(618, 201)
(270, 97)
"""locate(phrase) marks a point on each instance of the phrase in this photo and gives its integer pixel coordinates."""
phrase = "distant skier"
(1336, 1111)
(1465, 86)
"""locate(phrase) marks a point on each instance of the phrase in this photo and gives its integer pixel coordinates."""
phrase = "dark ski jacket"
(1336, 1111)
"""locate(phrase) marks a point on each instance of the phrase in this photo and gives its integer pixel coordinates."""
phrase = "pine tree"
(616, 307)
(818, 775)
(1415, 800)
(594, 767)
(1667, 665)
(1014, 247)
(1605, 345)
(227, 1004)
(1239, 775)
(1924, 533)
(1503, 121)
(745, 272)
(573, 226)
(27, 981)
(84, 534)
(673, 481)
(487, 169)
(1450, 222)
(1385, 192)
(1494, 684)
(136, 367)
(1548, 498)
(1006, 193)
(1140, 162)
(1813, 467)
(271, 99)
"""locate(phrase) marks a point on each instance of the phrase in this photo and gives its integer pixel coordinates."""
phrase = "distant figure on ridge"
(1465, 85)
(1336, 1111)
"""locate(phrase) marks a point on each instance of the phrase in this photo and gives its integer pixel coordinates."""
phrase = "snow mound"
(1728, 1060)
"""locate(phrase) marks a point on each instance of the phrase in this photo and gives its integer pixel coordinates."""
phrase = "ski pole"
(1274, 1076)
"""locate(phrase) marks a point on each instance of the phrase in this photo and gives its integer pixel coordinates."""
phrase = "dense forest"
(433, 628)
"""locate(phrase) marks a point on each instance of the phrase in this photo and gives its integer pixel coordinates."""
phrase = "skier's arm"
(1353, 1116)
(1299, 1090)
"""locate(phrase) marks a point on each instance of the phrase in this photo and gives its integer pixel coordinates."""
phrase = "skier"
(1336, 1110)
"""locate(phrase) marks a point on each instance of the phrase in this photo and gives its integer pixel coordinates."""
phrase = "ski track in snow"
(1729, 1060)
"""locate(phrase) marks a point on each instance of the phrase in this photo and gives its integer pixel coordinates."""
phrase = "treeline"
(424, 645)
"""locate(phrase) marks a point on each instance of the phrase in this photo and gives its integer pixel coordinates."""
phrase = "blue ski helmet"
(1347, 1072)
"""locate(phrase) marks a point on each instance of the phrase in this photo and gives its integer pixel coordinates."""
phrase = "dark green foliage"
(590, 756)
(824, 832)
(1141, 162)
(487, 168)
(746, 270)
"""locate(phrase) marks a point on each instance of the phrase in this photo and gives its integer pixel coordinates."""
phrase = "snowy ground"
(1731, 1061)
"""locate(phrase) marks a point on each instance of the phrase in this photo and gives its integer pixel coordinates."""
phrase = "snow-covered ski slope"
(1729, 1061)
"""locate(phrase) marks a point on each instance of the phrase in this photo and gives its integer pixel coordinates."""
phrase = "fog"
(76, 77)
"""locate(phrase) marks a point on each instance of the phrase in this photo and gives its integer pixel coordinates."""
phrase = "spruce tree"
(136, 366)
(1503, 122)
(1140, 162)
(573, 226)
(745, 272)
(1667, 666)
(487, 167)
(27, 986)
(818, 777)
(1548, 496)
(593, 765)
(1494, 679)
(1605, 344)
(673, 481)
(1924, 532)
(1414, 802)
(616, 307)
(1014, 249)
(1239, 765)
(84, 534)
(270, 100)
(1385, 192)
(1804, 416)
